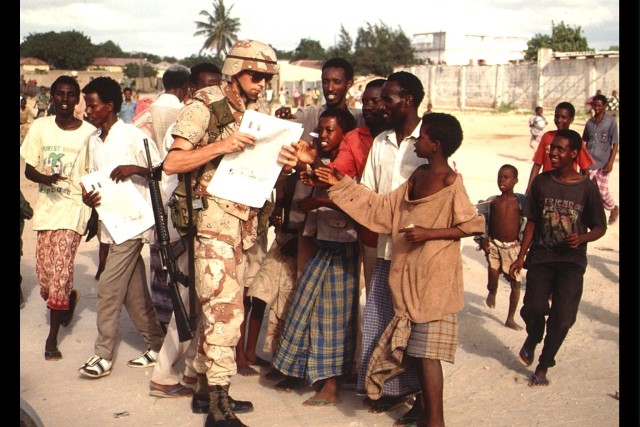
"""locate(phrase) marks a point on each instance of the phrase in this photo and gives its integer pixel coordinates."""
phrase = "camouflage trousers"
(219, 279)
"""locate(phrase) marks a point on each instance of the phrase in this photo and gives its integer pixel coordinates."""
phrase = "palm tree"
(219, 29)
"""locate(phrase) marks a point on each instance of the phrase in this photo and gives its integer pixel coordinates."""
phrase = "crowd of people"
(365, 199)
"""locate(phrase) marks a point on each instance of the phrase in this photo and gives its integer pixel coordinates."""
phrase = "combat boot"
(200, 400)
(220, 413)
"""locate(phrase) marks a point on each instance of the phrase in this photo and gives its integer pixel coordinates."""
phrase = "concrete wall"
(519, 86)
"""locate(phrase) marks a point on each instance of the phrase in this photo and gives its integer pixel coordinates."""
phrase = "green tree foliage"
(109, 49)
(69, 50)
(219, 29)
(563, 38)
(132, 70)
(378, 49)
(283, 54)
(197, 59)
(170, 59)
(344, 48)
(309, 49)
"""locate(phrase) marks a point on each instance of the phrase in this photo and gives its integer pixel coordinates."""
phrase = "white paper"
(248, 176)
(123, 210)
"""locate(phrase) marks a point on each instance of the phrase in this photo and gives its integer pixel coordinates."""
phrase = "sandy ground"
(485, 387)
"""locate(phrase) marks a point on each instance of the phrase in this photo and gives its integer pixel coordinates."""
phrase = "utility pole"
(141, 74)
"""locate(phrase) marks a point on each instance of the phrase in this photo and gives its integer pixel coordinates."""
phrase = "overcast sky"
(165, 28)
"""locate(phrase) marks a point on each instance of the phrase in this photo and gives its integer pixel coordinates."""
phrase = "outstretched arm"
(329, 176)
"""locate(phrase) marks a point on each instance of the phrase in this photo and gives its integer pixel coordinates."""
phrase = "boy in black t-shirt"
(564, 211)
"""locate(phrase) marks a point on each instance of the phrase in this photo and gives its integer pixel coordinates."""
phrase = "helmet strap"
(245, 97)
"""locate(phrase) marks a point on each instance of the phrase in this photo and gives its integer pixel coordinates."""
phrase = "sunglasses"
(257, 77)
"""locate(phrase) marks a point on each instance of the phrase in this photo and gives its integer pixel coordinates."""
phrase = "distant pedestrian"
(537, 122)
(601, 136)
(42, 102)
(128, 109)
(296, 98)
(308, 97)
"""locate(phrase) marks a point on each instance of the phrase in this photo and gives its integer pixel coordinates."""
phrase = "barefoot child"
(426, 217)
(564, 212)
(501, 243)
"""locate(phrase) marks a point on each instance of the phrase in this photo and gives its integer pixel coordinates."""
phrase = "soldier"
(225, 229)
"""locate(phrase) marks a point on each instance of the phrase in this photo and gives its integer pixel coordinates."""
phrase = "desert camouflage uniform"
(225, 230)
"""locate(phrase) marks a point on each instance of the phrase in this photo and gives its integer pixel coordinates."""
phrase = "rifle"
(185, 324)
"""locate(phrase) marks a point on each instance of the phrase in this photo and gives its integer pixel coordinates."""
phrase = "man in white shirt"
(118, 147)
(390, 162)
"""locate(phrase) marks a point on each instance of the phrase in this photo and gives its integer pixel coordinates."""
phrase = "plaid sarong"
(433, 340)
(378, 312)
(318, 340)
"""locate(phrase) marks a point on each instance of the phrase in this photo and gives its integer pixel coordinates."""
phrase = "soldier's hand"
(237, 142)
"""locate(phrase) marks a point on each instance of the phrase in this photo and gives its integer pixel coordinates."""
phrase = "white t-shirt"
(50, 150)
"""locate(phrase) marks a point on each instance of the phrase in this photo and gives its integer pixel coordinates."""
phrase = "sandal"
(176, 390)
(96, 367)
(145, 360)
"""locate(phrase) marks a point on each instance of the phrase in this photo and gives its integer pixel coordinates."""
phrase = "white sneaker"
(96, 367)
(145, 360)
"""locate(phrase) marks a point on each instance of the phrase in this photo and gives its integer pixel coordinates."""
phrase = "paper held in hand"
(123, 210)
(248, 176)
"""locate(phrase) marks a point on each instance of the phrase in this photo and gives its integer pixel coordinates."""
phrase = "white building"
(457, 48)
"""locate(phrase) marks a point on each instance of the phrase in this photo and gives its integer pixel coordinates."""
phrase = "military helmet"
(250, 55)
